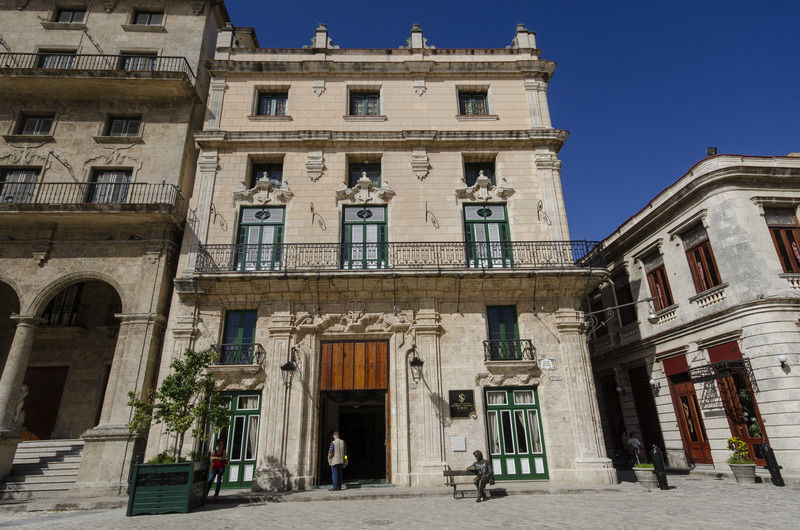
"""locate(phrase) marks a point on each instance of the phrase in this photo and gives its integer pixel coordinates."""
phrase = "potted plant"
(743, 467)
(645, 475)
(185, 400)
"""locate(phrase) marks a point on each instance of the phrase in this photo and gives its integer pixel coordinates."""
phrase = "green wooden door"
(260, 241)
(514, 431)
(238, 338)
(487, 236)
(503, 333)
(241, 439)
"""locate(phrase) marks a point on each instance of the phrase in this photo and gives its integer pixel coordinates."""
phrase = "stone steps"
(42, 469)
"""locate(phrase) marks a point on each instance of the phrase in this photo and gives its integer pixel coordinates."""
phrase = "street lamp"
(416, 365)
(289, 367)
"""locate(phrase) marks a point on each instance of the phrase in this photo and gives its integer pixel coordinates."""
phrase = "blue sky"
(643, 86)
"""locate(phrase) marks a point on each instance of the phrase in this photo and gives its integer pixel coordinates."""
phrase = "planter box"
(646, 477)
(744, 473)
(167, 488)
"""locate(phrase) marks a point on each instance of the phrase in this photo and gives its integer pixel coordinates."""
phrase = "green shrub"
(643, 465)
(164, 458)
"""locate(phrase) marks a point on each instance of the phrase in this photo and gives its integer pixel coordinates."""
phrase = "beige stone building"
(378, 245)
(718, 253)
(98, 102)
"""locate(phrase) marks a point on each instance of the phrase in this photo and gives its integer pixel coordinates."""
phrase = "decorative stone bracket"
(264, 192)
(315, 164)
(484, 190)
(364, 191)
(420, 164)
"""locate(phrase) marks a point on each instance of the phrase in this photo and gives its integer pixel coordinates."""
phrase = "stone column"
(271, 467)
(10, 388)
(110, 448)
(426, 402)
(591, 467)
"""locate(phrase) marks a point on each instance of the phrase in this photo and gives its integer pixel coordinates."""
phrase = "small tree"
(186, 399)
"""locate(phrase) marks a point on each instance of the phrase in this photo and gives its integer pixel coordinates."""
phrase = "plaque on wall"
(462, 404)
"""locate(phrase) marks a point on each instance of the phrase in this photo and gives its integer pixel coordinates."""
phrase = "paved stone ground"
(692, 501)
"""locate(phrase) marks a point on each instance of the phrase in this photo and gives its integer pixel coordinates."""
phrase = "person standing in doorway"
(218, 462)
(337, 459)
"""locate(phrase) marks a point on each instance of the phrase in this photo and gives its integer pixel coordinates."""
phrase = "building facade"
(98, 102)
(377, 244)
(717, 253)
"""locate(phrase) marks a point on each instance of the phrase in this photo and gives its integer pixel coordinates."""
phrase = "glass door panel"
(242, 440)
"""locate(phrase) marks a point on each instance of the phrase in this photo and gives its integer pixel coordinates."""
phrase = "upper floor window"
(504, 341)
(472, 170)
(238, 337)
(701, 258)
(272, 103)
(147, 18)
(356, 171)
(123, 126)
(35, 124)
(657, 280)
(364, 103)
(785, 231)
(56, 59)
(473, 103)
(17, 185)
(273, 172)
(260, 239)
(71, 16)
(622, 289)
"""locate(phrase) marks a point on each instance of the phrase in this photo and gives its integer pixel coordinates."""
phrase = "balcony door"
(260, 239)
(514, 431)
(503, 333)
(487, 236)
(364, 237)
(110, 186)
(238, 338)
(17, 185)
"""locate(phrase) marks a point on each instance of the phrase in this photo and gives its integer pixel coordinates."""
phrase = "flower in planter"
(740, 453)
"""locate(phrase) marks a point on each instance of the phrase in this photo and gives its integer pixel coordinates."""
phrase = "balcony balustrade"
(237, 354)
(509, 350)
(412, 256)
(88, 195)
(44, 63)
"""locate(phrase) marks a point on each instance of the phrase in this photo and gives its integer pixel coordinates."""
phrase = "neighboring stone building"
(718, 251)
(379, 246)
(98, 101)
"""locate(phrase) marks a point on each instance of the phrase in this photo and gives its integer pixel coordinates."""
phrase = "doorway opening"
(361, 418)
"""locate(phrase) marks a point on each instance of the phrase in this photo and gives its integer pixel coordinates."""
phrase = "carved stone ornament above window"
(264, 193)
(365, 191)
(354, 321)
(484, 190)
(197, 7)
(315, 164)
(420, 164)
(109, 5)
(521, 376)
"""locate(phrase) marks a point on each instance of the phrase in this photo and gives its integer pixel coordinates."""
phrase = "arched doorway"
(9, 305)
(71, 361)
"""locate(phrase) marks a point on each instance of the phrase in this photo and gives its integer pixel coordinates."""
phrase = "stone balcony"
(95, 76)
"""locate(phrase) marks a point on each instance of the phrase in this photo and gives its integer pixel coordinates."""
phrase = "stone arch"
(39, 303)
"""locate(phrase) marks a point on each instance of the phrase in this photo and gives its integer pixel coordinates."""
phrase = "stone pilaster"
(200, 216)
(217, 95)
(110, 448)
(590, 465)
(11, 388)
(549, 168)
(536, 90)
(426, 401)
(271, 466)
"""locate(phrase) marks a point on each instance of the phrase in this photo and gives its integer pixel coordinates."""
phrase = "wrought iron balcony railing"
(232, 353)
(85, 193)
(509, 350)
(436, 256)
(44, 62)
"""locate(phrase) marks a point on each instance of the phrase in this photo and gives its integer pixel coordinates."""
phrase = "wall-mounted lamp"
(783, 360)
(594, 321)
(416, 366)
(289, 367)
(656, 386)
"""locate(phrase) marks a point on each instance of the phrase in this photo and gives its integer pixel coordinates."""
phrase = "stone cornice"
(526, 68)
(212, 139)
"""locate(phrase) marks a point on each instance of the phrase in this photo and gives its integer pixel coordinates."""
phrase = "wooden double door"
(690, 420)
